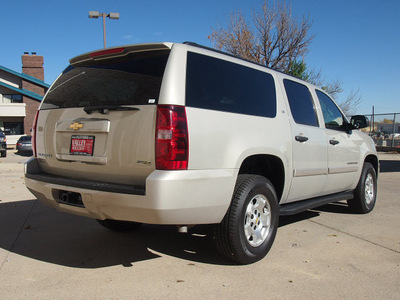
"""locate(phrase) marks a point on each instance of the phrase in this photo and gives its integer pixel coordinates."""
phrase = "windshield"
(134, 80)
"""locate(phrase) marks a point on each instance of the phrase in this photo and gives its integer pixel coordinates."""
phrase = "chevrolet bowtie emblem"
(76, 126)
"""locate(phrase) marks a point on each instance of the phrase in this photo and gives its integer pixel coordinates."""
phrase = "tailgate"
(97, 121)
(116, 148)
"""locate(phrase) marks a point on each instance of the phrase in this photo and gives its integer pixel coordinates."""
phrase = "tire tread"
(225, 233)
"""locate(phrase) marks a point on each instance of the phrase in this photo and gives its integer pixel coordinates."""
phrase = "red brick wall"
(32, 65)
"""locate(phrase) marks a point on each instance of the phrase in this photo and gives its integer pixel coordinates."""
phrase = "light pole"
(96, 14)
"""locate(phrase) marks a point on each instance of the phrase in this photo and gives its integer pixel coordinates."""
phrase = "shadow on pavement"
(389, 166)
(54, 237)
(287, 220)
(24, 153)
(32, 229)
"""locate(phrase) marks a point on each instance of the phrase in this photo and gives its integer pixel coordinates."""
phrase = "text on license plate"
(82, 145)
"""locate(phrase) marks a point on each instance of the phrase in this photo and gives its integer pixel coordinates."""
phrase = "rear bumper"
(170, 197)
(24, 148)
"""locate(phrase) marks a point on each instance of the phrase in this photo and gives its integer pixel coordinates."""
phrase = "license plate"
(82, 145)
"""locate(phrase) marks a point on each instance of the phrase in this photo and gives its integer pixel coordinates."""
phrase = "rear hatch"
(97, 121)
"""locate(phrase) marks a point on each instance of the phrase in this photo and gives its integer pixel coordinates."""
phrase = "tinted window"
(135, 80)
(301, 103)
(220, 85)
(13, 128)
(332, 115)
(25, 138)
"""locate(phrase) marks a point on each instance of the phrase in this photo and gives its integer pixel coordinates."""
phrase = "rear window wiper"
(104, 109)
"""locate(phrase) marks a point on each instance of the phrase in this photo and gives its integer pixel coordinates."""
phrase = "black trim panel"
(300, 206)
(90, 185)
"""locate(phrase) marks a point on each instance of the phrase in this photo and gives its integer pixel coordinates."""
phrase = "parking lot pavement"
(324, 253)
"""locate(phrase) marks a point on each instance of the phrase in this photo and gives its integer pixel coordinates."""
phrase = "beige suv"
(182, 134)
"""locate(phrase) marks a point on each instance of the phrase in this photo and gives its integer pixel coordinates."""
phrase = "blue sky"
(357, 42)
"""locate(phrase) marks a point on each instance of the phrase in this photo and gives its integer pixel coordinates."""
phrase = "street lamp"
(96, 14)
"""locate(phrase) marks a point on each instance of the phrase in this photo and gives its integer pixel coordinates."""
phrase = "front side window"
(332, 115)
(221, 85)
(134, 80)
(301, 103)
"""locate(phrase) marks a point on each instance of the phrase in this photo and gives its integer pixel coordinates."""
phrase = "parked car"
(24, 144)
(394, 136)
(3, 144)
(183, 134)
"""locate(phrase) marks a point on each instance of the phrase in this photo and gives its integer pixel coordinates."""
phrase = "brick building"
(20, 96)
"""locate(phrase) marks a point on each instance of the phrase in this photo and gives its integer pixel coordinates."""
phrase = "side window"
(217, 84)
(301, 103)
(332, 115)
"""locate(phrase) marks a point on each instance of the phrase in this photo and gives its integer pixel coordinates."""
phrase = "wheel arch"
(269, 166)
(374, 161)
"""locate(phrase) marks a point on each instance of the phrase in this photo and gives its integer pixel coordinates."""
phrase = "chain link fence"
(384, 129)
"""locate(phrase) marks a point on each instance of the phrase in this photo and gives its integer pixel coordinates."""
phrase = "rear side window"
(301, 103)
(133, 80)
(216, 84)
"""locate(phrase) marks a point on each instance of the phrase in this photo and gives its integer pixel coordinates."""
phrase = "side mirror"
(359, 121)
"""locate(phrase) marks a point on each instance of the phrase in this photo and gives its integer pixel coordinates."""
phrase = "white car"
(182, 134)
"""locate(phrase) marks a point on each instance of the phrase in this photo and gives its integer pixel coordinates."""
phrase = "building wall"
(16, 110)
(10, 80)
(388, 128)
(10, 112)
(32, 65)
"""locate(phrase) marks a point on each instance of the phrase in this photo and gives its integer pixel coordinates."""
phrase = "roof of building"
(26, 77)
(24, 92)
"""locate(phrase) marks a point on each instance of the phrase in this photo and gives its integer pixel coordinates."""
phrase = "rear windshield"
(133, 80)
(25, 138)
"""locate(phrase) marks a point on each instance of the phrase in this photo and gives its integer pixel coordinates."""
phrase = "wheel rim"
(369, 189)
(257, 220)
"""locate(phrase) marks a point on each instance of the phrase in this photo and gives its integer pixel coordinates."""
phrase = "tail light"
(34, 128)
(172, 138)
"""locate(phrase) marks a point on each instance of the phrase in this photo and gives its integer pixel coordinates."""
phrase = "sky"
(356, 41)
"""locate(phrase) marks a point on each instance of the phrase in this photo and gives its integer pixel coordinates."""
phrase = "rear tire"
(4, 154)
(248, 229)
(365, 192)
(116, 225)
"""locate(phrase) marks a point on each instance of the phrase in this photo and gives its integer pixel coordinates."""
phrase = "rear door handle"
(301, 138)
(333, 142)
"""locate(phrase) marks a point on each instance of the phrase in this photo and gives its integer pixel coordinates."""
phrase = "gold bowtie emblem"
(76, 126)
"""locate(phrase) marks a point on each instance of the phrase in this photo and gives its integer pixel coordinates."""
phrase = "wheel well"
(269, 166)
(373, 160)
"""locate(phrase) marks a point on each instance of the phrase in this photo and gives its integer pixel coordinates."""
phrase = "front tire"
(365, 192)
(248, 229)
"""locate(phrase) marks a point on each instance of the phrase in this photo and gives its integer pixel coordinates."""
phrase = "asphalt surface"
(324, 253)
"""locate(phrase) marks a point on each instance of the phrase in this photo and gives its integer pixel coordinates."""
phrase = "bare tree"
(275, 38)
(299, 69)
(333, 88)
(237, 39)
(351, 104)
